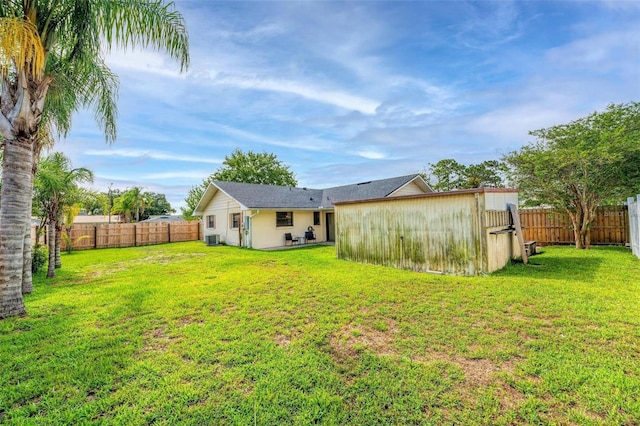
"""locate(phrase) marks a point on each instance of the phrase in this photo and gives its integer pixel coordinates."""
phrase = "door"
(331, 227)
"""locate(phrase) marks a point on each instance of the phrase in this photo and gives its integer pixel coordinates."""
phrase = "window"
(211, 221)
(316, 218)
(284, 218)
(235, 220)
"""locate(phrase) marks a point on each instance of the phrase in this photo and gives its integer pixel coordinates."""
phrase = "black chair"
(308, 236)
(289, 239)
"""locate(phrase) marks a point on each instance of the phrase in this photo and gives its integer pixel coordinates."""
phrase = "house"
(84, 218)
(163, 218)
(259, 216)
(466, 232)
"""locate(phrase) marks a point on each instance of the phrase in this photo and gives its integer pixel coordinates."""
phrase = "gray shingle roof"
(364, 190)
(255, 196)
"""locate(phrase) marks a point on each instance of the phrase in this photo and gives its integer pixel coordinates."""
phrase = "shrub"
(39, 257)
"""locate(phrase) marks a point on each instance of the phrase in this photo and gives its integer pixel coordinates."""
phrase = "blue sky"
(351, 91)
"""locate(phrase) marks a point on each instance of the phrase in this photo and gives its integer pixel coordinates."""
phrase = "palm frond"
(20, 46)
(126, 23)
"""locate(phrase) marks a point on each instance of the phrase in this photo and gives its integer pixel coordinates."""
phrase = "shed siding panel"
(501, 248)
(499, 200)
(421, 234)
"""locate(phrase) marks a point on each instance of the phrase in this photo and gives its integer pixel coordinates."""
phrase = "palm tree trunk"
(14, 216)
(27, 278)
(58, 242)
(51, 236)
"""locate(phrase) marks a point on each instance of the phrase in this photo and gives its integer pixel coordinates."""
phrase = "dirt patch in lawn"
(478, 371)
(159, 258)
(353, 339)
(157, 340)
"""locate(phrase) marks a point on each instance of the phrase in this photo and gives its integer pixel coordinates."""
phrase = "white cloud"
(177, 175)
(306, 90)
(144, 61)
(371, 155)
(154, 155)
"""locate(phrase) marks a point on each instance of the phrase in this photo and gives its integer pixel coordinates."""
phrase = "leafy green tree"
(56, 186)
(51, 64)
(94, 202)
(449, 175)
(575, 167)
(158, 205)
(250, 167)
(193, 197)
(445, 175)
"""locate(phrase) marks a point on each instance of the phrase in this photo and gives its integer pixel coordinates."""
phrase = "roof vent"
(363, 183)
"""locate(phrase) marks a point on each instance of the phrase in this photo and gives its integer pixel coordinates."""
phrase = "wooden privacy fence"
(92, 236)
(549, 226)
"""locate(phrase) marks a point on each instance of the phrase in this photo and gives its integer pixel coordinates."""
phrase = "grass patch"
(184, 333)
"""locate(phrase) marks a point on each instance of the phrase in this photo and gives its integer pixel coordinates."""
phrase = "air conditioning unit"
(212, 240)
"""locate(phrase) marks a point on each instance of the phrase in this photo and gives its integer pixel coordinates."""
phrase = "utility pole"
(110, 201)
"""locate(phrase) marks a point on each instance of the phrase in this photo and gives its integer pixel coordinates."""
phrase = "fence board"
(91, 236)
(549, 226)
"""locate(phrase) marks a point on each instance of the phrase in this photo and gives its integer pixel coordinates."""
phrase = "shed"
(465, 232)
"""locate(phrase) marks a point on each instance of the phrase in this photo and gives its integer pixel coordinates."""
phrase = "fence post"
(633, 208)
(636, 211)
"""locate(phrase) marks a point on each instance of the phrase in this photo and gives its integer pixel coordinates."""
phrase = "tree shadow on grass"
(554, 264)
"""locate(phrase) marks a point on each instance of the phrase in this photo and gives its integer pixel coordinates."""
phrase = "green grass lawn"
(189, 334)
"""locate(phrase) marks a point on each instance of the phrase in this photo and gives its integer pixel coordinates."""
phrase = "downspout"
(250, 234)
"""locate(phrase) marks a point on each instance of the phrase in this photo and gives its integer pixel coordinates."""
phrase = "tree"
(261, 168)
(575, 167)
(132, 203)
(94, 202)
(193, 198)
(69, 214)
(448, 175)
(56, 186)
(158, 205)
(51, 64)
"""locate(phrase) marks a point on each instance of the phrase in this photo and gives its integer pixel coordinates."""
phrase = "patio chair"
(308, 235)
(288, 239)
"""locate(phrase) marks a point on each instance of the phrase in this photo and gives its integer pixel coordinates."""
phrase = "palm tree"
(132, 203)
(56, 185)
(51, 64)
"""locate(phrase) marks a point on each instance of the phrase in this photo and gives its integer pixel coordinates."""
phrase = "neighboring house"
(259, 216)
(163, 218)
(84, 218)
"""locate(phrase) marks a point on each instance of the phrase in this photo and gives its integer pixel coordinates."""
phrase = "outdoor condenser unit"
(212, 240)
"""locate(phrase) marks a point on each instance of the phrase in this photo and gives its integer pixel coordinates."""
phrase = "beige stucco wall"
(222, 206)
(265, 234)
